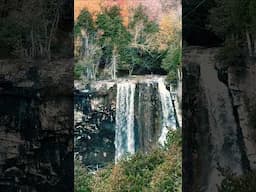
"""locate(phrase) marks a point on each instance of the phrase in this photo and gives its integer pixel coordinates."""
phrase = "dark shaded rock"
(95, 125)
(147, 115)
(36, 129)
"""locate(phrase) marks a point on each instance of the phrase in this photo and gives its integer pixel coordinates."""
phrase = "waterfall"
(120, 117)
(168, 119)
(148, 130)
(222, 129)
(124, 132)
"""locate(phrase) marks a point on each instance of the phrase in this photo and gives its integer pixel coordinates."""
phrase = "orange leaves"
(95, 7)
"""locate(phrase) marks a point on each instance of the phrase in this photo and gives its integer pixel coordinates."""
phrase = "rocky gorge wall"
(36, 129)
(218, 123)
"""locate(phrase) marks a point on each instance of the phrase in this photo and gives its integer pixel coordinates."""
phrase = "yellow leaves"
(109, 180)
(167, 176)
(170, 27)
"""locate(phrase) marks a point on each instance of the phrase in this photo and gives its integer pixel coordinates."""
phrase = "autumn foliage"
(95, 7)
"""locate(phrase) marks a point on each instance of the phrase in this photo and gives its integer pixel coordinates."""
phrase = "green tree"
(234, 21)
(143, 42)
(171, 63)
(113, 35)
(87, 51)
(84, 21)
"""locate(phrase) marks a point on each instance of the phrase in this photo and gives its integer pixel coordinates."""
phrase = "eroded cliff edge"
(218, 118)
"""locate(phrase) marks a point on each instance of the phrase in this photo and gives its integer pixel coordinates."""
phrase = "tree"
(113, 35)
(234, 21)
(170, 31)
(252, 26)
(87, 51)
(195, 18)
(169, 40)
(171, 63)
(144, 35)
(35, 35)
(143, 30)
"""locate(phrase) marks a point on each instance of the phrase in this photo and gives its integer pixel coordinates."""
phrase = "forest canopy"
(107, 47)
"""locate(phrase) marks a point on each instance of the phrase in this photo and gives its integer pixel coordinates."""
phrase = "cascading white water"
(125, 114)
(168, 119)
(124, 132)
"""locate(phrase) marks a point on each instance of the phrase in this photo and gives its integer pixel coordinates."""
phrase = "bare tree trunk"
(114, 62)
(51, 35)
(131, 71)
(32, 43)
(41, 49)
(96, 68)
(46, 38)
(254, 47)
(249, 43)
(86, 48)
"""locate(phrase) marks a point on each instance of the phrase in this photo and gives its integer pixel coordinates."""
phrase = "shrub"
(78, 71)
(157, 171)
(82, 178)
(234, 183)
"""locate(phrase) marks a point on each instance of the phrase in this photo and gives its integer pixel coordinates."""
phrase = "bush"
(171, 63)
(78, 71)
(168, 176)
(158, 171)
(174, 138)
(233, 183)
(172, 78)
(82, 178)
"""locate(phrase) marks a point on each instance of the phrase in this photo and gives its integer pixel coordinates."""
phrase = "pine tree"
(113, 34)
(87, 51)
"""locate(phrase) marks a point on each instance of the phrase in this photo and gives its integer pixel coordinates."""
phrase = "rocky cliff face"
(241, 83)
(36, 131)
(147, 115)
(218, 126)
(94, 123)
